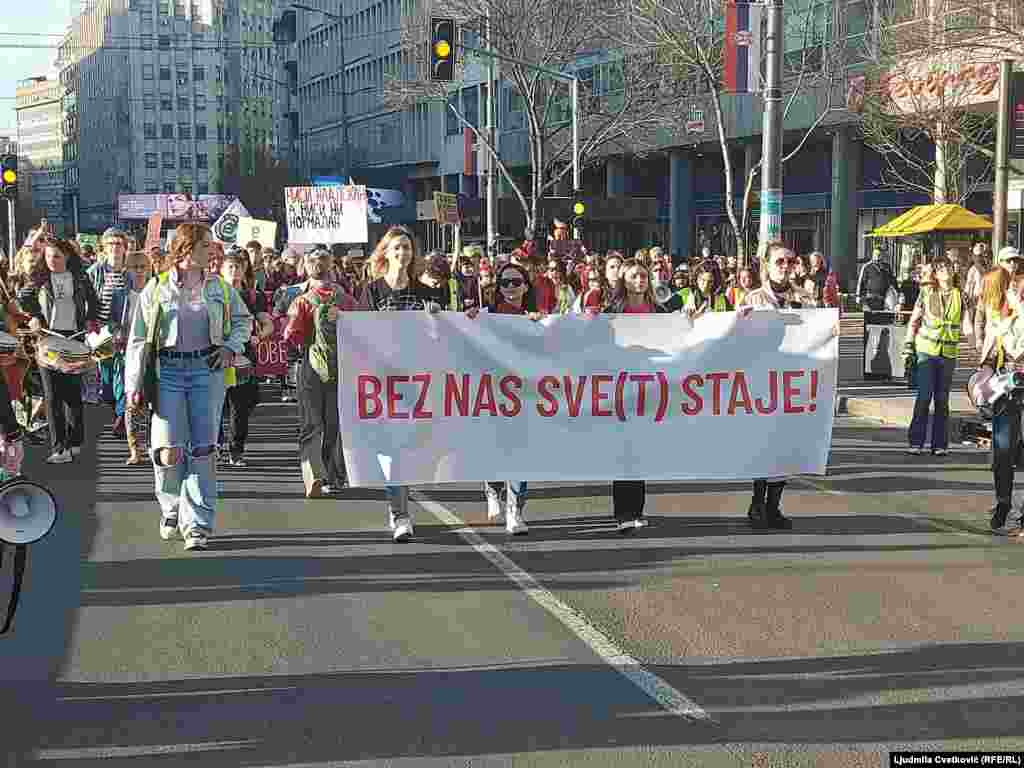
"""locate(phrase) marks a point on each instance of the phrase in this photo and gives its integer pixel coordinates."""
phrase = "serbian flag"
(742, 46)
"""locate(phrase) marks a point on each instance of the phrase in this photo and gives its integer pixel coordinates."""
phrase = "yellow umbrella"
(922, 219)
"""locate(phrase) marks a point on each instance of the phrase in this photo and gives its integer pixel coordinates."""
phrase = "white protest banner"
(328, 215)
(259, 230)
(443, 398)
(225, 229)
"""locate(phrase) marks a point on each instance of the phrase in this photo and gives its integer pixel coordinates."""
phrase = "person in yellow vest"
(933, 339)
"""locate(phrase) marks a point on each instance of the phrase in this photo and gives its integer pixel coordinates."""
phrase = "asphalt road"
(886, 618)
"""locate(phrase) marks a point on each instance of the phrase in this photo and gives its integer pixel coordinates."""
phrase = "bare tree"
(624, 99)
(932, 78)
(689, 38)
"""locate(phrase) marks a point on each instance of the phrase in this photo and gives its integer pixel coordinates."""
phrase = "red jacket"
(546, 294)
(299, 330)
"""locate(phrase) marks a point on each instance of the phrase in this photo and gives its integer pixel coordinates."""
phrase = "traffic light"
(442, 49)
(9, 177)
(578, 209)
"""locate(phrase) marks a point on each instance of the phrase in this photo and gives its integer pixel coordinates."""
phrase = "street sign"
(771, 214)
(1015, 144)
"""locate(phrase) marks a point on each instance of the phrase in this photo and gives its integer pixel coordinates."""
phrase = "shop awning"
(947, 217)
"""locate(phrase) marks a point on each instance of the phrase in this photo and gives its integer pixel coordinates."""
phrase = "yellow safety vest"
(940, 336)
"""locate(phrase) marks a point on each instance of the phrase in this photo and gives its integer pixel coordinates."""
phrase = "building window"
(149, 104)
(182, 102)
(199, 74)
(200, 102)
(165, 73)
(149, 130)
(167, 131)
(201, 132)
(152, 189)
(151, 160)
(166, 103)
(164, 41)
(168, 158)
(451, 120)
(184, 130)
(201, 161)
(170, 187)
(147, 71)
(182, 76)
(185, 162)
(147, 42)
(204, 188)
(164, 7)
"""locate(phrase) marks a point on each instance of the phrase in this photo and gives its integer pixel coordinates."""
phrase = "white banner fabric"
(328, 215)
(260, 230)
(442, 398)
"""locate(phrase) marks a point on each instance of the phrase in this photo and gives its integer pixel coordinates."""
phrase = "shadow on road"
(249, 721)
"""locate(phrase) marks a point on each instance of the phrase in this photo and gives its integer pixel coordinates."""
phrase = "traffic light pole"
(12, 233)
(771, 149)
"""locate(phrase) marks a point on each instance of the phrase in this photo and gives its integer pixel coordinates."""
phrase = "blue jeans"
(190, 400)
(112, 379)
(1005, 442)
(503, 489)
(934, 379)
(398, 501)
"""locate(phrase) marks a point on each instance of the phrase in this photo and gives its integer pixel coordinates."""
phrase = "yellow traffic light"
(442, 49)
(579, 209)
(10, 177)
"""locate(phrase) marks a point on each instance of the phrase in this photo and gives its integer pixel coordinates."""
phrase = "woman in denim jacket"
(203, 323)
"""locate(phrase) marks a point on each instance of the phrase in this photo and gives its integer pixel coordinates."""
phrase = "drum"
(64, 355)
(9, 346)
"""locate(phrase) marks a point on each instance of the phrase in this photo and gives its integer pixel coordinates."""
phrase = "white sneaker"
(915, 451)
(514, 523)
(494, 511)
(169, 528)
(626, 526)
(641, 523)
(196, 540)
(75, 451)
(401, 529)
(60, 457)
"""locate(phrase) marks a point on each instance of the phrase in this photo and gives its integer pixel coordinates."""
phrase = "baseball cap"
(1008, 253)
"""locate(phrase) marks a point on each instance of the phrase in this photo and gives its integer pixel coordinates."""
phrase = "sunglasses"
(511, 282)
(786, 262)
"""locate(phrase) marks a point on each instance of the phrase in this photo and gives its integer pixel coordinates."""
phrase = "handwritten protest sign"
(326, 214)
(271, 352)
(225, 228)
(260, 230)
(447, 205)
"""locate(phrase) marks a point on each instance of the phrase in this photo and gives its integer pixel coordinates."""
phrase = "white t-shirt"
(63, 317)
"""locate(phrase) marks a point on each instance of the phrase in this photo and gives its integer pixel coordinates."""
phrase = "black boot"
(757, 512)
(999, 515)
(774, 515)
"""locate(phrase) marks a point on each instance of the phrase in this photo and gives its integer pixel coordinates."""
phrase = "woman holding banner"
(395, 287)
(515, 296)
(632, 295)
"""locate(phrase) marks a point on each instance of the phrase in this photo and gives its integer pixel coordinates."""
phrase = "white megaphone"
(27, 513)
(662, 293)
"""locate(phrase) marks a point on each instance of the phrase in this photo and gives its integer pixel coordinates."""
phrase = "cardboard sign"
(272, 353)
(447, 205)
(261, 230)
(326, 214)
(156, 220)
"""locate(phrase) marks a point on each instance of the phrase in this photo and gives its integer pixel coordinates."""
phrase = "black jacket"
(87, 305)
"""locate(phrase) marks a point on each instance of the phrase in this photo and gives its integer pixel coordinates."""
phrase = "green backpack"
(323, 352)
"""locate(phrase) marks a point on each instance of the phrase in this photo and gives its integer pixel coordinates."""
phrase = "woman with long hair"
(395, 287)
(243, 397)
(141, 267)
(515, 296)
(65, 304)
(933, 339)
(707, 293)
(565, 296)
(199, 324)
(634, 295)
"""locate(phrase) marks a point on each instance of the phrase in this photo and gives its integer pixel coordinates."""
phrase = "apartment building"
(160, 94)
(40, 145)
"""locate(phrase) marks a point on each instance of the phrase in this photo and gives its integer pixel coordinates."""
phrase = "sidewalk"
(898, 410)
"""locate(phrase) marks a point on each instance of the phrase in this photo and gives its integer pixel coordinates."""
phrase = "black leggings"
(628, 497)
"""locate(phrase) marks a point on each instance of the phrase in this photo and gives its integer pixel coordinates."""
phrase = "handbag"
(150, 381)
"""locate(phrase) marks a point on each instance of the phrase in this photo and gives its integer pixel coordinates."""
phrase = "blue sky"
(27, 23)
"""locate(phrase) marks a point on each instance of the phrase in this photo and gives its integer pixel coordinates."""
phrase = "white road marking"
(142, 750)
(669, 698)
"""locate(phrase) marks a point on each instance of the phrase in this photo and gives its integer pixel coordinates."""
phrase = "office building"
(40, 146)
